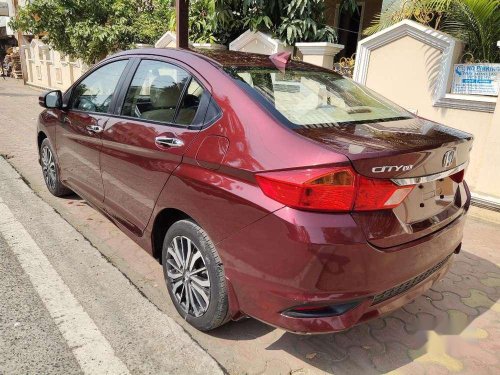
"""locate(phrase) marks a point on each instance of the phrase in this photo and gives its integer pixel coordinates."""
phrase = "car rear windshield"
(318, 98)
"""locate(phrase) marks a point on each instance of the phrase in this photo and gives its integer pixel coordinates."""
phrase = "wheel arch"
(40, 137)
(162, 223)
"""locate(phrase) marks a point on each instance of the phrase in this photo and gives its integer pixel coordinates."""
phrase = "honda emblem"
(448, 158)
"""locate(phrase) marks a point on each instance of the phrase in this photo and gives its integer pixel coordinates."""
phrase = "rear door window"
(155, 91)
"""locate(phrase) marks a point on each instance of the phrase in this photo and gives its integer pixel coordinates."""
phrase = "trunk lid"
(410, 152)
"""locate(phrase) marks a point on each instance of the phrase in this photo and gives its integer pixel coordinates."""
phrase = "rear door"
(161, 113)
(78, 138)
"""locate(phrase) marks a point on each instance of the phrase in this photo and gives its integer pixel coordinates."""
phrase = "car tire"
(50, 170)
(207, 306)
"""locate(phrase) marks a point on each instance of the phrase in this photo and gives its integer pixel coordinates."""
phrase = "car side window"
(213, 111)
(95, 92)
(190, 103)
(155, 91)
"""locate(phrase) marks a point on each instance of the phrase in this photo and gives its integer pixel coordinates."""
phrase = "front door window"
(95, 92)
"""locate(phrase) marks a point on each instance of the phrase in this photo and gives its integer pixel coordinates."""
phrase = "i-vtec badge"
(392, 168)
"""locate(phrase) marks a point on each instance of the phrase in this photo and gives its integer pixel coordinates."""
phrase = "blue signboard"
(476, 79)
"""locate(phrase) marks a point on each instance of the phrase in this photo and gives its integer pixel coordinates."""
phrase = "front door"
(145, 141)
(78, 138)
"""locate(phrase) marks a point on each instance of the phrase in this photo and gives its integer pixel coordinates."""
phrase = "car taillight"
(374, 194)
(321, 190)
(337, 189)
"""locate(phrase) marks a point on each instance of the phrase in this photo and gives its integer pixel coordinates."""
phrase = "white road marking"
(90, 348)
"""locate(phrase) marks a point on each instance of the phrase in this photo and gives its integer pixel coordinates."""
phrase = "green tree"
(262, 15)
(476, 22)
(154, 19)
(304, 22)
(289, 20)
(203, 22)
(210, 21)
(91, 30)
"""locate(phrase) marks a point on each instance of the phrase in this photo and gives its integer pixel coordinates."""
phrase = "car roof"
(222, 58)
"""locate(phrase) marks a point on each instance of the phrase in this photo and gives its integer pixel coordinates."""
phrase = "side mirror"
(51, 99)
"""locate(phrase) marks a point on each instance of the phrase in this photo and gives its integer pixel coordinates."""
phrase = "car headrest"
(164, 92)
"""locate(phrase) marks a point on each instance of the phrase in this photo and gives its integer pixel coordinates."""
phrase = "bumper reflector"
(317, 311)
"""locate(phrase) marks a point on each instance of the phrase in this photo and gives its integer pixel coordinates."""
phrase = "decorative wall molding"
(258, 42)
(468, 102)
(318, 53)
(143, 45)
(319, 48)
(431, 37)
(167, 40)
(214, 46)
(485, 201)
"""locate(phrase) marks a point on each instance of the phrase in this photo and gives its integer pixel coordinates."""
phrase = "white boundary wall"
(412, 65)
(49, 69)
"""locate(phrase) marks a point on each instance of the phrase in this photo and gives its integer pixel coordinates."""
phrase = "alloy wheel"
(188, 276)
(49, 168)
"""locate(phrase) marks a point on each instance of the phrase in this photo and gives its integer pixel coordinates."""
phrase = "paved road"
(66, 310)
(30, 340)
(454, 328)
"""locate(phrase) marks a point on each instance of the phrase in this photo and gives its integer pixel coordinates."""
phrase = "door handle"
(94, 128)
(169, 142)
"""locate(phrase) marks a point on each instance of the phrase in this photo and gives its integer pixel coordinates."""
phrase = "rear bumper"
(367, 309)
(293, 258)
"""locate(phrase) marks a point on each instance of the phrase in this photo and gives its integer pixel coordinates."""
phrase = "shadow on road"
(420, 331)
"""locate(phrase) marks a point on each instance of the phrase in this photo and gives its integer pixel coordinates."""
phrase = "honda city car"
(265, 186)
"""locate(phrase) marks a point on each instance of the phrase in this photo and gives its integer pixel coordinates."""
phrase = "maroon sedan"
(266, 187)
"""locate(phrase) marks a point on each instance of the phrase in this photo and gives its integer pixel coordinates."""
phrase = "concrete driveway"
(454, 328)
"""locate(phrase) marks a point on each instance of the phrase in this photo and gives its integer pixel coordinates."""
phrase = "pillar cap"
(319, 48)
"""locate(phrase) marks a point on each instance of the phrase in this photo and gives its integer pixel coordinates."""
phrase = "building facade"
(7, 39)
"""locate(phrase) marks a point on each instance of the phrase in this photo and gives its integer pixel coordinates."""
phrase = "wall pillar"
(319, 53)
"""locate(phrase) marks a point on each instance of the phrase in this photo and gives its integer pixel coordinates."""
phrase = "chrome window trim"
(429, 178)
